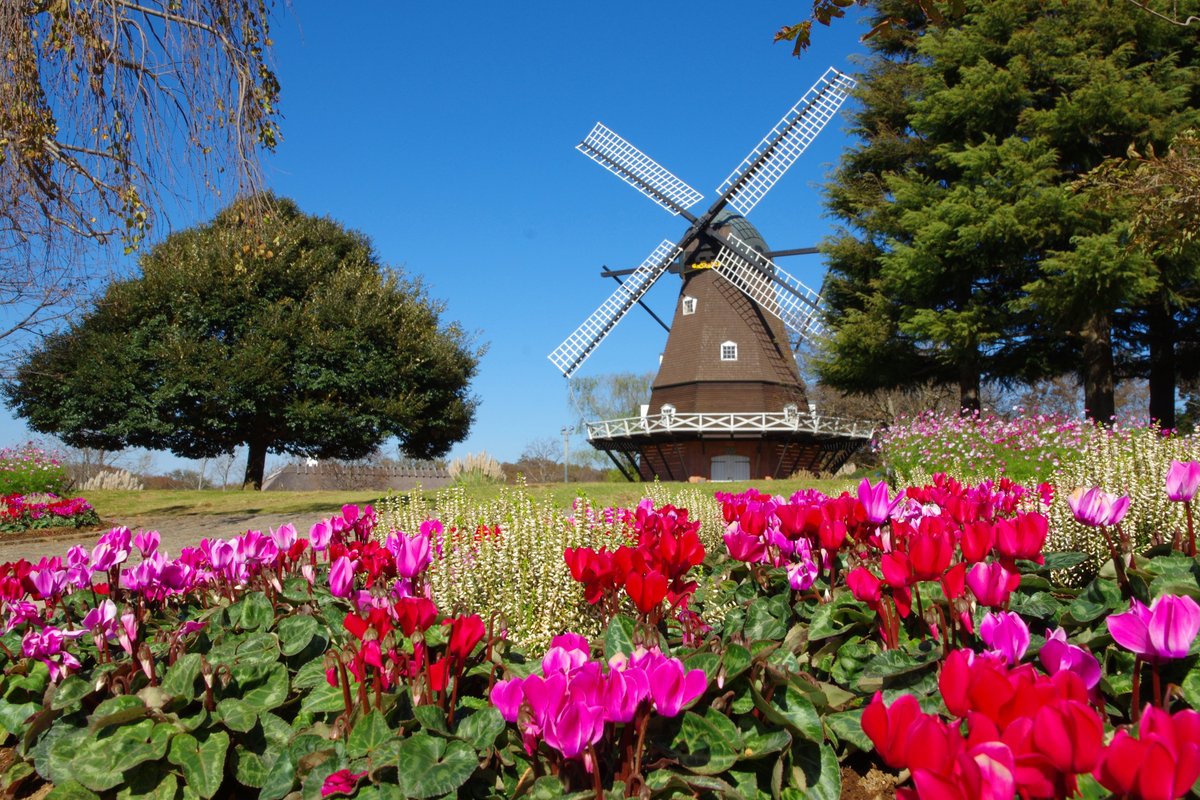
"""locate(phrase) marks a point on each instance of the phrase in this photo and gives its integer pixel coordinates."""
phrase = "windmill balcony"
(728, 446)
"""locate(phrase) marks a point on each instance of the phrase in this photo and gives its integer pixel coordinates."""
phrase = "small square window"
(689, 305)
(729, 351)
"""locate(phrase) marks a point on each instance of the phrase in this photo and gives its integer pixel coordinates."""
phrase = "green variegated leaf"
(202, 760)
(816, 774)
(735, 661)
(847, 727)
(150, 783)
(429, 766)
(117, 711)
(618, 638)
(71, 790)
(253, 612)
(295, 632)
(369, 733)
(268, 691)
(790, 707)
(180, 679)
(72, 690)
(237, 715)
(482, 728)
(708, 744)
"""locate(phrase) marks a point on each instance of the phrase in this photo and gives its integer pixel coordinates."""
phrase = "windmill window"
(729, 351)
(689, 305)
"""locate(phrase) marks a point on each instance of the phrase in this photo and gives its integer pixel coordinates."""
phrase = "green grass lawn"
(112, 504)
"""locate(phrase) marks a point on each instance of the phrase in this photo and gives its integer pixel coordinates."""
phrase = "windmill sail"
(569, 355)
(771, 287)
(638, 170)
(784, 143)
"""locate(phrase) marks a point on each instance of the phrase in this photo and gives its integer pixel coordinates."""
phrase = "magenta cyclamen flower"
(341, 782)
(1006, 633)
(574, 727)
(992, 584)
(1183, 480)
(341, 576)
(1098, 508)
(672, 687)
(1058, 655)
(284, 536)
(412, 553)
(320, 534)
(875, 500)
(146, 542)
(1161, 632)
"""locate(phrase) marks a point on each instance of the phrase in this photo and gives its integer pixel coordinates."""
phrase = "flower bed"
(31, 469)
(922, 633)
(21, 513)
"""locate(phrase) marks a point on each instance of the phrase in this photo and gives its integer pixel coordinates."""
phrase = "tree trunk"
(968, 387)
(256, 464)
(1097, 371)
(1161, 330)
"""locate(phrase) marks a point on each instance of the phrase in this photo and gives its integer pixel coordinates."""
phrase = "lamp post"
(567, 430)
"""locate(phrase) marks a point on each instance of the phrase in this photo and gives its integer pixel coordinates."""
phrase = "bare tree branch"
(105, 107)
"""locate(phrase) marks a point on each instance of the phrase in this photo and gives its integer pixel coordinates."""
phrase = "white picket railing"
(733, 423)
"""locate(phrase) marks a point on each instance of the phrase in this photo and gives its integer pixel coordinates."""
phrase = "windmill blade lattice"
(638, 170)
(780, 148)
(771, 287)
(569, 355)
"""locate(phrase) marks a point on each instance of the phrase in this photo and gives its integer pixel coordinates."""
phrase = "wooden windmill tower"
(728, 402)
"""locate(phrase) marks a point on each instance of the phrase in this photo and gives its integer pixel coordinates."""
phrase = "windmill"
(728, 393)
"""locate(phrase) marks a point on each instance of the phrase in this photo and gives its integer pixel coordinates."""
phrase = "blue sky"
(446, 133)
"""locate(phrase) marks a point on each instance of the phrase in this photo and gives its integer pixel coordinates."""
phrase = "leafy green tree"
(286, 336)
(968, 254)
(1160, 193)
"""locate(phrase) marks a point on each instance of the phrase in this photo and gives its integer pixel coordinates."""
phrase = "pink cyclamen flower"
(992, 583)
(49, 581)
(342, 782)
(284, 536)
(802, 574)
(1098, 508)
(875, 500)
(1161, 632)
(128, 632)
(1183, 480)
(624, 692)
(341, 576)
(574, 727)
(1057, 655)
(1006, 633)
(320, 534)
(672, 688)
(412, 553)
(744, 546)
(507, 696)
(146, 542)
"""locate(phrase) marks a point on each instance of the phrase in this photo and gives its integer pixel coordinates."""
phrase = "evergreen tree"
(971, 255)
(298, 342)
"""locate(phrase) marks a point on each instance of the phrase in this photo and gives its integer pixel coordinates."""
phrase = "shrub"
(1130, 460)
(506, 556)
(476, 469)
(31, 469)
(112, 479)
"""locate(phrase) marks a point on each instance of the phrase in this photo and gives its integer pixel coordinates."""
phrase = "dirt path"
(184, 530)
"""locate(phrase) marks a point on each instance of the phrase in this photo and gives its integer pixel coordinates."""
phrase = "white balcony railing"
(729, 424)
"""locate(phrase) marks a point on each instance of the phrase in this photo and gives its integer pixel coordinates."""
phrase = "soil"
(177, 531)
(871, 785)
